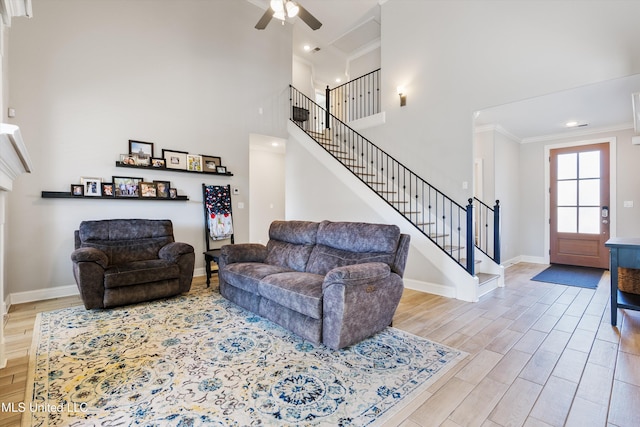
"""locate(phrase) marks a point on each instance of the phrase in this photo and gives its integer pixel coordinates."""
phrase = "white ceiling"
(603, 106)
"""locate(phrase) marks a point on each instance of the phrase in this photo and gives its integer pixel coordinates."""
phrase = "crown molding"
(498, 129)
(578, 133)
(14, 8)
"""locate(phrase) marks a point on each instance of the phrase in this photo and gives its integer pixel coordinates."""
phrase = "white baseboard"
(57, 292)
(41, 294)
(431, 288)
(533, 259)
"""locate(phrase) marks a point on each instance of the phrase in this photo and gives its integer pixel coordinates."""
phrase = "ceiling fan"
(282, 9)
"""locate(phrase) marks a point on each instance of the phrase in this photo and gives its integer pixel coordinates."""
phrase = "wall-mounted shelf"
(122, 165)
(68, 195)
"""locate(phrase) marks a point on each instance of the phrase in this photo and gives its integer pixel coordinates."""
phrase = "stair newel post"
(496, 232)
(470, 246)
(327, 112)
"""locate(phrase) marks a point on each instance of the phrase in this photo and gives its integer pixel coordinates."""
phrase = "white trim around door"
(612, 186)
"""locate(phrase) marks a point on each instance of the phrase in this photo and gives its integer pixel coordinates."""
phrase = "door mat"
(571, 275)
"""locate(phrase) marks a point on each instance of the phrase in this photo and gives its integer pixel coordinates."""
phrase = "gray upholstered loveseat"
(126, 261)
(335, 283)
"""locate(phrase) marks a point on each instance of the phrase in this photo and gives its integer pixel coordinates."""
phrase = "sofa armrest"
(242, 252)
(357, 274)
(90, 255)
(173, 251)
(358, 301)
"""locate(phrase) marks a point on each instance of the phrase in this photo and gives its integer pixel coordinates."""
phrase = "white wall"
(87, 76)
(455, 58)
(507, 191)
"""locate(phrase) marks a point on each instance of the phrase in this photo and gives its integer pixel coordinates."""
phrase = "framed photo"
(210, 163)
(157, 162)
(194, 162)
(126, 186)
(107, 189)
(221, 169)
(173, 193)
(144, 150)
(148, 189)
(175, 159)
(162, 189)
(128, 159)
(92, 186)
(77, 190)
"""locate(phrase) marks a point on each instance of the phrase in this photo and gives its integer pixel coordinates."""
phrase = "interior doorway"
(580, 190)
(267, 183)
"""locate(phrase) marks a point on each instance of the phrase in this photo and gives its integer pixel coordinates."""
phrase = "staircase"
(440, 219)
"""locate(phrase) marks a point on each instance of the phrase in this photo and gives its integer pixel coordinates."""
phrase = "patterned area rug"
(199, 360)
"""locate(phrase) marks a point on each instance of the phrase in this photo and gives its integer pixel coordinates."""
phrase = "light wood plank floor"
(539, 355)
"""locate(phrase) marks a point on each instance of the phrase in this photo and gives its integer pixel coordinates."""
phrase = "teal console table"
(624, 252)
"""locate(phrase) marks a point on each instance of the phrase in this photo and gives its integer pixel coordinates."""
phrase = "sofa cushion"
(137, 272)
(346, 243)
(297, 232)
(358, 236)
(126, 240)
(324, 259)
(247, 275)
(288, 255)
(300, 292)
(290, 243)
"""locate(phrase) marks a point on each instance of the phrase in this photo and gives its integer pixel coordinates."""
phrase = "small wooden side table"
(624, 252)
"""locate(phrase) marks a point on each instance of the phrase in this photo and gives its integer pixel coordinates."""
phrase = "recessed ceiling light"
(274, 144)
(574, 124)
(307, 48)
(338, 80)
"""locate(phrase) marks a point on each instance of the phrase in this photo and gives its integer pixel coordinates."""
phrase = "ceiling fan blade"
(308, 18)
(266, 18)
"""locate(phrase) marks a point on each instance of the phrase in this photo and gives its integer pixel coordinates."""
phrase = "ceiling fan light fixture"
(277, 5)
(280, 15)
(292, 9)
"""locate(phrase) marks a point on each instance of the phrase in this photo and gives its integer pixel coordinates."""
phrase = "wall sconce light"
(403, 96)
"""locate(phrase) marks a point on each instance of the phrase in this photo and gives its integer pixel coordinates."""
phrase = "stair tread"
(486, 277)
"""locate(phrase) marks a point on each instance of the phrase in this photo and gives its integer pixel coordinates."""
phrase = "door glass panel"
(567, 220)
(589, 220)
(589, 164)
(567, 193)
(567, 166)
(589, 192)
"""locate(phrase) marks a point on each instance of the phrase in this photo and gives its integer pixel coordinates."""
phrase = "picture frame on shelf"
(107, 189)
(128, 159)
(157, 162)
(144, 150)
(162, 189)
(148, 189)
(173, 193)
(210, 163)
(77, 190)
(194, 162)
(126, 186)
(221, 169)
(175, 159)
(92, 186)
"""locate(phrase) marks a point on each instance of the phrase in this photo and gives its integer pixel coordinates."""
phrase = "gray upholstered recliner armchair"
(126, 261)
